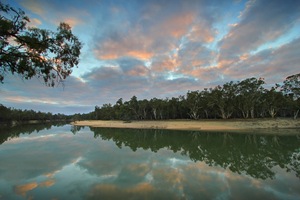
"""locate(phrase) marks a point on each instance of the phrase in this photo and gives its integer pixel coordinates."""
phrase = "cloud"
(111, 169)
(161, 49)
(260, 22)
(35, 94)
(177, 25)
(274, 64)
(151, 29)
(202, 31)
(116, 46)
(34, 22)
(194, 54)
(45, 159)
(23, 189)
(58, 11)
(120, 81)
(164, 63)
(139, 191)
(34, 7)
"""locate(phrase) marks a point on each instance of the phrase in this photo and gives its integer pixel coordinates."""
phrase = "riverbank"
(196, 125)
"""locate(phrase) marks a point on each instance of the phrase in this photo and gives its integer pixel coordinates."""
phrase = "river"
(68, 162)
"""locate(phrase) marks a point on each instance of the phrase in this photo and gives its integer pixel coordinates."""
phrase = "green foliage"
(291, 86)
(291, 89)
(35, 52)
(245, 99)
(10, 114)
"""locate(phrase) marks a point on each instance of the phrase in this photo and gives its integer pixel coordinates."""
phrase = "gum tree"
(249, 94)
(33, 52)
(291, 88)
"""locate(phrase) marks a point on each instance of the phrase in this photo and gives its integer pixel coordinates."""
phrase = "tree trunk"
(252, 113)
(272, 112)
(245, 114)
(154, 113)
(223, 114)
(296, 114)
(194, 115)
(206, 114)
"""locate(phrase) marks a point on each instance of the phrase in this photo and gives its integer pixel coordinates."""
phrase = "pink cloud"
(23, 189)
(177, 25)
(257, 26)
(202, 31)
(272, 64)
(55, 13)
(134, 44)
(163, 64)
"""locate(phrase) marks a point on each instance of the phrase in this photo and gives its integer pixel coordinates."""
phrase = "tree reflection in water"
(251, 154)
(8, 132)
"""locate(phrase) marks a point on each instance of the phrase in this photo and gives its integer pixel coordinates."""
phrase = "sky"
(159, 48)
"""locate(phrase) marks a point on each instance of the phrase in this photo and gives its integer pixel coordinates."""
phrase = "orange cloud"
(225, 63)
(140, 54)
(139, 191)
(23, 189)
(244, 57)
(134, 41)
(71, 21)
(201, 32)
(166, 64)
(47, 183)
(142, 188)
(177, 25)
(129, 46)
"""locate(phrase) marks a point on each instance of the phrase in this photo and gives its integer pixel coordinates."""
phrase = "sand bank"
(209, 125)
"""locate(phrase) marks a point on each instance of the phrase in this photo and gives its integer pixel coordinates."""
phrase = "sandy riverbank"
(209, 125)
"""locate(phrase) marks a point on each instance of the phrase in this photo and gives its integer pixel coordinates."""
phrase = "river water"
(67, 162)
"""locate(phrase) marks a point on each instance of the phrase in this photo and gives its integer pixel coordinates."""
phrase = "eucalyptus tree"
(291, 88)
(193, 103)
(223, 98)
(106, 112)
(144, 108)
(33, 52)
(205, 102)
(158, 108)
(229, 92)
(273, 101)
(119, 109)
(249, 92)
(133, 105)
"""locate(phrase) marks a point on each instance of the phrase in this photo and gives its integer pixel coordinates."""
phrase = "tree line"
(12, 114)
(243, 99)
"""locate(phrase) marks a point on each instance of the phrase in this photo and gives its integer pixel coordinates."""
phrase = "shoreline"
(233, 125)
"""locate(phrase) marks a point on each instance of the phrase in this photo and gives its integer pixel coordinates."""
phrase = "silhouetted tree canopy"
(242, 99)
(33, 52)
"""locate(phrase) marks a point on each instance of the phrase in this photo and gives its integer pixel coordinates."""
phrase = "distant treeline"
(243, 99)
(12, 114)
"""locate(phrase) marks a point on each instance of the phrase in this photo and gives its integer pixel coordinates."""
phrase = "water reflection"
(8, 132)
(93, 163)
(252, 154)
